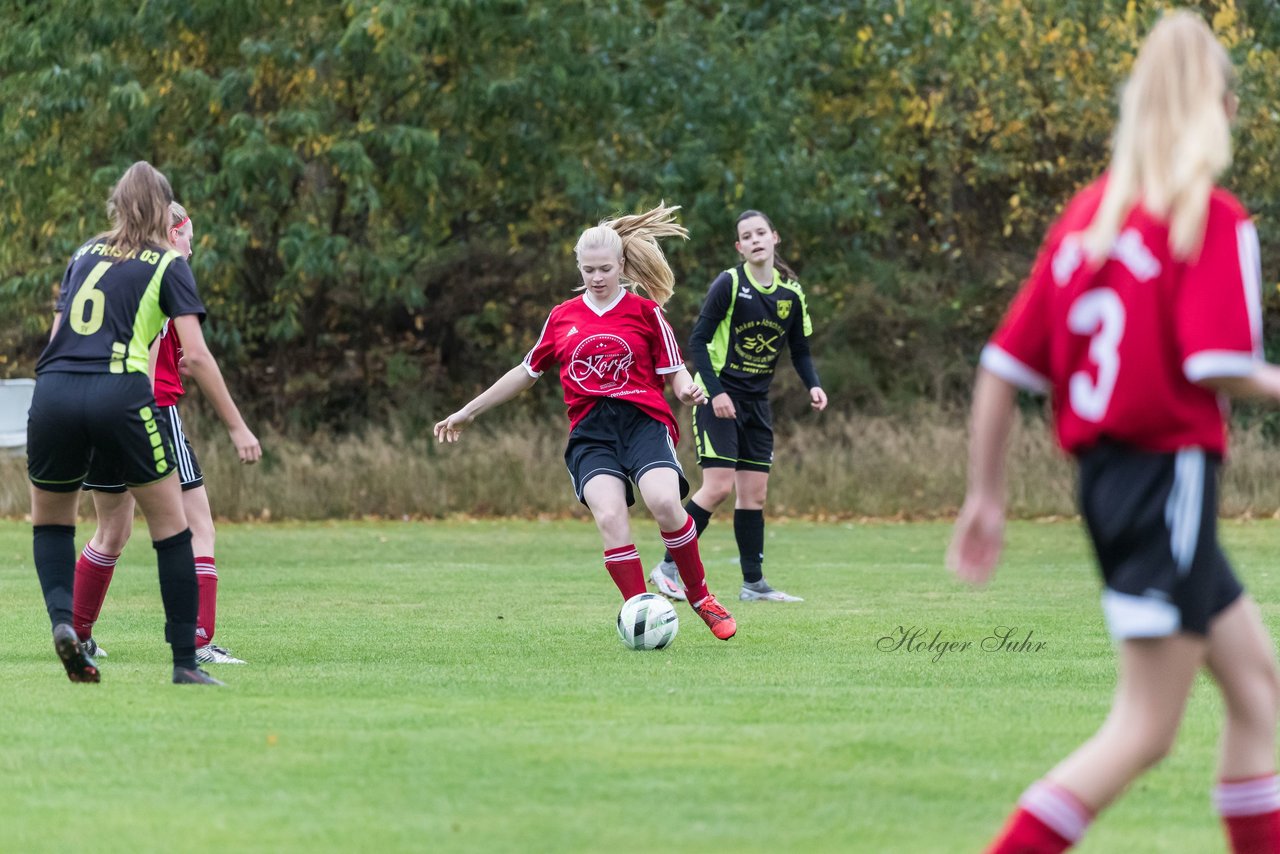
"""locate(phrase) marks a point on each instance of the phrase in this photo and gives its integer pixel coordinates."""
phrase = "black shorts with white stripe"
(619, 440)
(1153, 519)
(104, 475)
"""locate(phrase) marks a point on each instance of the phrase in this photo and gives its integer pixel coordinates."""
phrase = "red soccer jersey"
(1121, 347)
(621, 351)
(168, 382)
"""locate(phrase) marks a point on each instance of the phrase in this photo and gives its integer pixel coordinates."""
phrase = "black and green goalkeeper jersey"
(113, 308)
(741, 331)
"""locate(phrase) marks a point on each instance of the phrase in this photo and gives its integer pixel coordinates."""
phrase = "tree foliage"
(386, 193)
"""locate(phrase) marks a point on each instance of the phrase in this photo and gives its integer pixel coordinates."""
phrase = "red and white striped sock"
(1049, 820)
(683, 545)
(1250, 809)
(626, 570)
(206, 616)
(93, 576)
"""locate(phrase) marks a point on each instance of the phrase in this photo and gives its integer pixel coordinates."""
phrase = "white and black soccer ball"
(647, 621)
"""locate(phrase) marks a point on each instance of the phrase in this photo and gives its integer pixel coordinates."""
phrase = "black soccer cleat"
(193, 676)
(80, 667)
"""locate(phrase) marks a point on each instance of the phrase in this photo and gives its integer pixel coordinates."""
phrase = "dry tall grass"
(828, 466)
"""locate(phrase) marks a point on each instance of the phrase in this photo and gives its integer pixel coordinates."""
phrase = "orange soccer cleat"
(719, 620)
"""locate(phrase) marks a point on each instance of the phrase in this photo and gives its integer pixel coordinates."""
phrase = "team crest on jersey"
(601, 364)
(784, 309)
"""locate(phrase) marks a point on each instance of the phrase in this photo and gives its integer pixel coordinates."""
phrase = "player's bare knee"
(1139, 738)
(202, 538)
(1271, 686)
(715, 495)
(669, 515)
(112, 539)
(1153, 748)
(610, 520)
(112, 545)
(1260, 703)
(1250, 688)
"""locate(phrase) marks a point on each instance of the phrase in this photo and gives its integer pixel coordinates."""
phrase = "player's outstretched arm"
(686, 389)
(979, 533)
(204, 368)
(508, 386)
(1264, 382)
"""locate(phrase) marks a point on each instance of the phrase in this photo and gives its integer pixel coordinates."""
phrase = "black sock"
(701, 519)
(54, 547)
(748, 529)
(177, 565)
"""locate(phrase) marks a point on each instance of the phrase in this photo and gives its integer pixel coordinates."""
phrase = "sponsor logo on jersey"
(760, 345)
(573, 330)
(744, 292)
(601, 364)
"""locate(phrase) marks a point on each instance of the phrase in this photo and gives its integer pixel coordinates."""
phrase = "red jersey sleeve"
(543, 355)
(1219, 308)
(1019, 351)
(666, 355)
(167, 382)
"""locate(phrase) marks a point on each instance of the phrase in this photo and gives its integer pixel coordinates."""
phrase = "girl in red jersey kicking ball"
(614, 349)
(1141, 311)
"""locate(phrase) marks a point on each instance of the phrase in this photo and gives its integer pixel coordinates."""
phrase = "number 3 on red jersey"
(1098, 314)
(1125, 347)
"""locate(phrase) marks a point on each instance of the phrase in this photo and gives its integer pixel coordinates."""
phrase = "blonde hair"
(177, 213)
(139, 210)
(1173, 139)
(635, 240)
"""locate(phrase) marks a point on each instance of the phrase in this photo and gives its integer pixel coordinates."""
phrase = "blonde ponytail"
(1173, 139)
(635, 239)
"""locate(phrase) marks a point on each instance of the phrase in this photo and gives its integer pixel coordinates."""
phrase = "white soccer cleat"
(92, 649)
(665, 577)
(762, 591)
(214, 654)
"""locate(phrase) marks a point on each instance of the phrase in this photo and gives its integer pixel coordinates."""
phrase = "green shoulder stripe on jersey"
(795, 288)
(718, 346)
(149, 319)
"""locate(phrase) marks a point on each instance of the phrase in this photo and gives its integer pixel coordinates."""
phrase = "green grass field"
(460, 686)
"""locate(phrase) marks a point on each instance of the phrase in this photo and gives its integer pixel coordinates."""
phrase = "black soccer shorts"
(75, 417)
(620, 440)
(1153, 519)
(744, 442)
(104, 472)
